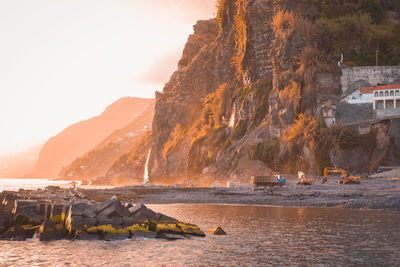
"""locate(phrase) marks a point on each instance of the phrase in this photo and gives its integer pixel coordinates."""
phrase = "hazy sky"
(62, 61)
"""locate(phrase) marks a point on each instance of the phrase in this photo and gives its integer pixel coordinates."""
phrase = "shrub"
(283, 23)
(267, 152)
(302, 132)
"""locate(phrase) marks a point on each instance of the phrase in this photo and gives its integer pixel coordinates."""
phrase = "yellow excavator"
(346, 179)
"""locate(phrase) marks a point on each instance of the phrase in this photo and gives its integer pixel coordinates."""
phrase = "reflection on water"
(256, 236)
(28, 184)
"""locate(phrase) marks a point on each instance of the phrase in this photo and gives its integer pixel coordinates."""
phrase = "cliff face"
(237, 51)
(246, 97)
(77, 139)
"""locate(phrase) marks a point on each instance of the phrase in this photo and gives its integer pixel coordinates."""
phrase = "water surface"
(272, 236)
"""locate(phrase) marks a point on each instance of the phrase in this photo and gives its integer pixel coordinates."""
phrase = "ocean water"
(257, 236)
(15, 184)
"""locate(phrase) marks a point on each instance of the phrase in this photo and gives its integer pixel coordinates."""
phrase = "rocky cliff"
(246, 97)
(79, 138)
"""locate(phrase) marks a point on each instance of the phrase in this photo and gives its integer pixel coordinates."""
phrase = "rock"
(165, 227)
(217, 231)
(114, 237)
(19, 232)
(5, 220)
(145, 234)
(170, 236)
(52, 219)
(190, 229)
(78, 209)
(57, 211)
(113, 208)
(78, 223)
(49, 230)
(9, 200)
(140, 212)
(114, 221)
(82, 235)
(44, 209)
(23, 204)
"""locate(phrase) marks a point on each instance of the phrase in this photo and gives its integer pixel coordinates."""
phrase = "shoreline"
(380, 193)
(373, 193)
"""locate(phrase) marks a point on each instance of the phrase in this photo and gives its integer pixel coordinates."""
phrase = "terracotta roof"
(392, 86)
(369, 90)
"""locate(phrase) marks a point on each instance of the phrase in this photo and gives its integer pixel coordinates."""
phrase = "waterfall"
(233, 117)
(146, 171)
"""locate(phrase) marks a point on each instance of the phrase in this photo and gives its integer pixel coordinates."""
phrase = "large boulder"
(49, 230)
(19, 232)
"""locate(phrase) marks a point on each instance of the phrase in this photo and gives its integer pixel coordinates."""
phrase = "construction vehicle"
(262, 182)
(301, 179)
(346, 179)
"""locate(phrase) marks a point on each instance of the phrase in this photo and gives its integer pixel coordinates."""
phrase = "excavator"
(346, 179)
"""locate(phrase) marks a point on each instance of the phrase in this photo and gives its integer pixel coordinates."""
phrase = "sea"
(256, 236)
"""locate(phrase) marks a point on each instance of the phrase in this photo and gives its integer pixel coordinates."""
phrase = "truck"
(262, 182)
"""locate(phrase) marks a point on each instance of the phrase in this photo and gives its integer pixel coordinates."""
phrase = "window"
(386, 93)
(397, 93)
(376, 94)
(391, 93)
(381, 93)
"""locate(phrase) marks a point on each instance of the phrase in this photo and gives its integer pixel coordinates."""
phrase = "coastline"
(373, 193)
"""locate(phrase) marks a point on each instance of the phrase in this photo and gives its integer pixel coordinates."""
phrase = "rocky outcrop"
(79, 138)
(383, 144)
(56, 213)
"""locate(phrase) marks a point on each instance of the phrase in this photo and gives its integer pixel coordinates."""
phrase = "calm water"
(15, 184)
(263, 236)
(257, 236)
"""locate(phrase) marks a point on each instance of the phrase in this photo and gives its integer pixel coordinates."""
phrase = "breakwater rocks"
(56, 213)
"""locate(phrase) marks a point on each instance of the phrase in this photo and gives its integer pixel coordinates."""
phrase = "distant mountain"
(99, 160)
(77, 139)
(16, 165)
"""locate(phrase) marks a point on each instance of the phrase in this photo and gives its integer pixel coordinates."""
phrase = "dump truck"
(345, 178)
(262, 182)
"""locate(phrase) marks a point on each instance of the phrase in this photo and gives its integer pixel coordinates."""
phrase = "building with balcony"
(385, 96)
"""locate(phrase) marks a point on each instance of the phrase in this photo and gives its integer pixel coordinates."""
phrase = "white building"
(360, 96)
(386, 96)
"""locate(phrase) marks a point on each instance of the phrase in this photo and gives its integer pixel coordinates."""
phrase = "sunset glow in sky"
(64, 61)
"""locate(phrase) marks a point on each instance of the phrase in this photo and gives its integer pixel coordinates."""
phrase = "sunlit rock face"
(210, 51)
(246, 98)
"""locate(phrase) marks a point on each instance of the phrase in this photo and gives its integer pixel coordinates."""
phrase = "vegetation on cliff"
(244, 113)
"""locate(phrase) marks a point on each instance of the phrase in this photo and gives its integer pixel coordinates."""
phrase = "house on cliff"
(368, 93)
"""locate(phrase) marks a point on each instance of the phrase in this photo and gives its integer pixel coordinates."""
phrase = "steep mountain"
(16, 165)
(100, 159)
(247, 96)
(80, 137)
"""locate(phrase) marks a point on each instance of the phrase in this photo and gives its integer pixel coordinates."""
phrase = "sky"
(64, 61)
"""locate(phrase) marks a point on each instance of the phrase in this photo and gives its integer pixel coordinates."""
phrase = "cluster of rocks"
(54, 214)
